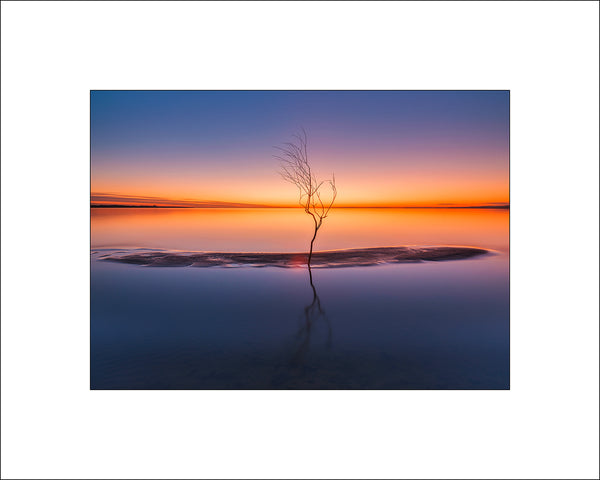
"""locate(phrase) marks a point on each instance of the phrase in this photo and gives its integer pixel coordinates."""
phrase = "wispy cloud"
(101, 198)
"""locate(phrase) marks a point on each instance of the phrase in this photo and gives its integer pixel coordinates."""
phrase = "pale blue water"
(431, 325)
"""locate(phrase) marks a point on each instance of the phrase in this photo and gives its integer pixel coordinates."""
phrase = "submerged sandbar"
(354, 257)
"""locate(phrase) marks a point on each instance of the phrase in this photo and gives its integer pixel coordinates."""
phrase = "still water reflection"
(290, 229)
(432, 325)
(313, 315)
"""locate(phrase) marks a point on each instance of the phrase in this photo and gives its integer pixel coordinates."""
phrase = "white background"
(546, 426)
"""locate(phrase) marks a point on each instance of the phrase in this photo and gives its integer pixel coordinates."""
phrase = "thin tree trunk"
(312, 242)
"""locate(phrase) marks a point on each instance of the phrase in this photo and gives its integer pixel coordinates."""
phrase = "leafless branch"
(295, 168)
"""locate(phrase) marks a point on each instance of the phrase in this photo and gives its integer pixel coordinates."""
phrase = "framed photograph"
(331, 239)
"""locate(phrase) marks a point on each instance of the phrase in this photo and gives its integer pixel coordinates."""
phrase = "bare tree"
(296, 169)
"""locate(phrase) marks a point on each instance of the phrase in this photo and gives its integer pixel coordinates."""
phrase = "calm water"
(433, 325)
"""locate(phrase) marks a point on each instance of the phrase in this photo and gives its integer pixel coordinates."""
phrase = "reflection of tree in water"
(313, 315)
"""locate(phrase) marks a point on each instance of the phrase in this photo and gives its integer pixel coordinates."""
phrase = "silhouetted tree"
(296, 169)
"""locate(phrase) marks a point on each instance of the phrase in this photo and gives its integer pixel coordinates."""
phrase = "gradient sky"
(387, 148)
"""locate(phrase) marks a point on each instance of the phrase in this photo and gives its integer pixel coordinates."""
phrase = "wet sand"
(324, 259)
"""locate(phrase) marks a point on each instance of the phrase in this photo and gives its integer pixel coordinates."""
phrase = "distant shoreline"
(138, 206)
(486, 207)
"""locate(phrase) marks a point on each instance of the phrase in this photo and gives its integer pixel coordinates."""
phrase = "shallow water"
(430, 325)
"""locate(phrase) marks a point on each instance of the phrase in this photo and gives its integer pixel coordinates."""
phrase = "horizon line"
(106, 198)
(237, 205)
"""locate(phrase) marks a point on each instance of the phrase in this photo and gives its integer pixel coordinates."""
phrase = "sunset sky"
(387, 148)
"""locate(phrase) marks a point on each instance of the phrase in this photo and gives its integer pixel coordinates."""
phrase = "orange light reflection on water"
(285, 230)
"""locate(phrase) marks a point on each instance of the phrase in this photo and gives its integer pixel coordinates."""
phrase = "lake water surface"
(429, 325)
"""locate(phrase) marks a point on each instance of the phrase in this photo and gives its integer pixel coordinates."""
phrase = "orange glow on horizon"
(205, 204)
(394, 190)
(408, 192)
(384, 181)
